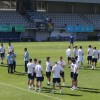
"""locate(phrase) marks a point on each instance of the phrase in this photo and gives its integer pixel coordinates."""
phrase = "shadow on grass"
(20, 73)
(48, 90)
(91, 90)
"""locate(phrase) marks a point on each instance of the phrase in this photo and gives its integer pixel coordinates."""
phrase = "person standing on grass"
(75, 74)
(34, 64)
(26, 58)
(71, 38)
(48, 70)
(2, 52)
(75, 51)
(80, 56)
(10, 62)
(72, 69)
(56, 70)
(89, 57)
(39, 76)
(30, 73)
(14, 60)
(10, 47)
(95, 58)
(69, 55)
(62, 64)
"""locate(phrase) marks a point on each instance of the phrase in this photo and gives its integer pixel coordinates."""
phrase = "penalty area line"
(29, 91)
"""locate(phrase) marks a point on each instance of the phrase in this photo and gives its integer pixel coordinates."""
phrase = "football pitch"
(14, 86)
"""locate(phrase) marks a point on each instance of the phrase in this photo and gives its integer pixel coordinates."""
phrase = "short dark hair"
(73, 60)
(39, 61)
(25, 49)
(61, 57)
(30, 60)
(90, 46)
(80, 47)
(48, 58)
(35, 59)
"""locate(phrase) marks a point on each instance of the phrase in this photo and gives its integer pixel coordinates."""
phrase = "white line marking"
(29, 91)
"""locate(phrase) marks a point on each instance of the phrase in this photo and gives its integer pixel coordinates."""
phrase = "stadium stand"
(13, 18)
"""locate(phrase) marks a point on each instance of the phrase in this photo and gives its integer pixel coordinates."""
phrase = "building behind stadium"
(49, 20)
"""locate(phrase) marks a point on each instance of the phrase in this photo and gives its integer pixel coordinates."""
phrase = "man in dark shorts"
(95, 58)
(2, 52)
(39, 76)
(56, 76)
(30, 74)
(89, 57)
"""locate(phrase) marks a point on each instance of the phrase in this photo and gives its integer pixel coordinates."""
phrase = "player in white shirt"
(26, 58)
(75, 74)
(75, 51)
(34, 64)
(69, 55)
(48, 70)
(62, 74)
(80, 56)
(2, 52)
(56, 69)
(89, 53)
(10, 48)
(39, 76)
(95, 58)
(30, 73)
(72, 69)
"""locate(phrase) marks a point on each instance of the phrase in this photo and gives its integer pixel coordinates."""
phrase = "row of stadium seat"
(13, 18)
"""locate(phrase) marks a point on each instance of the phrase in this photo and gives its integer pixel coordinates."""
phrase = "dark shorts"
(56, 80)
(89, 58)
(75, 76)
(30, 76)
(71, 74)
(76, 57)
(40, 79)
(69, 58)
(48, 74)
(14, 63)
(62, 74)
(94, 60)
(34, 75)
(2, 55)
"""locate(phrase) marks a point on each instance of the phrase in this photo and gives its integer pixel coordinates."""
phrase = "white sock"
(48, 82)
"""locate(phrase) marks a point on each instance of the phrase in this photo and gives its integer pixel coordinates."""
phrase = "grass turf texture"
(14, 86)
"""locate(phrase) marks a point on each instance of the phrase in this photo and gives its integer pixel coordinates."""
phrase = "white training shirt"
(26, 56)
(10, 48)
(69, 52)
(61, 63)
(30, 68)
(95, 54)
(75, 51)
(48, 66)
(38, 70)
(56, 70)
(72, 67)
(2, 49)
(90, 51)
(80, 53)
(75, 68)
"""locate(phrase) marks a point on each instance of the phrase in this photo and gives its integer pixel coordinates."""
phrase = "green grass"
(14, 86)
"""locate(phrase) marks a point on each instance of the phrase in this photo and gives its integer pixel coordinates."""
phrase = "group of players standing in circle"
(34, 69)
(57, 69)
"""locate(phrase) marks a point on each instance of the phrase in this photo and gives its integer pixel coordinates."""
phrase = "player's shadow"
(20, 73)
(69, 94)
(91, 90)
(4, 65)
